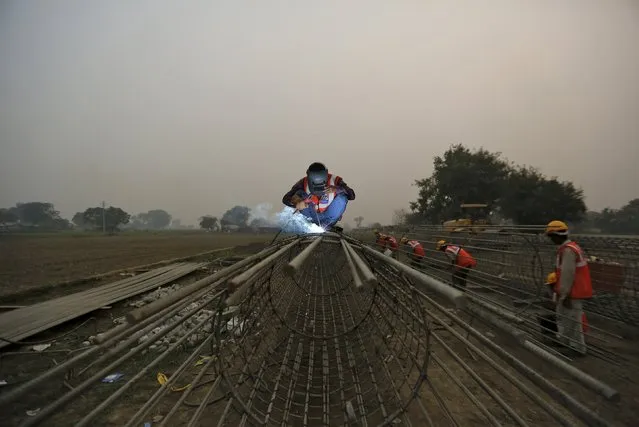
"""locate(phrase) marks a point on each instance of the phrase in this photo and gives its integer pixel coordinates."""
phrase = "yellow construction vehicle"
(474, 219)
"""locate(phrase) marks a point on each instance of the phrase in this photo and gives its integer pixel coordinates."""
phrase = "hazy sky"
(195, 106)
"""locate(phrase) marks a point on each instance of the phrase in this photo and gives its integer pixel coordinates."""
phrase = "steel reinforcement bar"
(514, 261)
(313, 331)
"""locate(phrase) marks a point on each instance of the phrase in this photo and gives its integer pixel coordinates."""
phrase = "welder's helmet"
(551, 279)
(317, 176)
(440, 245)
(403, 240)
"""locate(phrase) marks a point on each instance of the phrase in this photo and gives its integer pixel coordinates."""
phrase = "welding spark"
(291, 222)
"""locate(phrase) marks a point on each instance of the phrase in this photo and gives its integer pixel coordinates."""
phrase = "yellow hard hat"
(376, 232)
(557, 227)
(403, 240)
(551, 279)
(441, 244)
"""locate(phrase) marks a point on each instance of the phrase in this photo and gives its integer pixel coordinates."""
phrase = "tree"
(258, 222)
(460, 176)
(531, 198)
(376, 225)
(41, 214)
(237, 215)
(155, 219)
(400, 217)
(8, 215)
(113, 218)
(209, 223)
(620, 221)
(414, 218)
(358, 221)
(78, 219)
(521, 194)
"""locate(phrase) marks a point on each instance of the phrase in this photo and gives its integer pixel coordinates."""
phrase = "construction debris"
(48, 314)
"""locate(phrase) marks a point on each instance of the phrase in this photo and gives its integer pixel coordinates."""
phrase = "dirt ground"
(33, 261)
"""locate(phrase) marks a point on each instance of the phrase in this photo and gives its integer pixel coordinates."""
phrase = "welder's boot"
(335, 229)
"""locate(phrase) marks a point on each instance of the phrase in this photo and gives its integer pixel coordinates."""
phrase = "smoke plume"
(287, 220)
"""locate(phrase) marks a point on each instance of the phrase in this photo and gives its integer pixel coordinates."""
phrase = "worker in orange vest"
(416, 253)
(461, 262)
(551, 282)
(572, 288)
(380, 240)
(386, 244)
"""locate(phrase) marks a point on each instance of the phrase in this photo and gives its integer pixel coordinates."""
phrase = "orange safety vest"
(582, 284)
(418, 249)
(462, 257)
(322, 202)
(381, 241)
(392, 242)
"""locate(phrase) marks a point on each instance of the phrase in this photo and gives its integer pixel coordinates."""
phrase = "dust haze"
(194, 107)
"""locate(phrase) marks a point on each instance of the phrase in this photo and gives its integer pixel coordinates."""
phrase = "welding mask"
(317, 181)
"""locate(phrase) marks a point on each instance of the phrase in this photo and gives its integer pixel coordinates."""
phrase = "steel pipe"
(357, 281)
(296, 263)
(447, 291)
(157, 305)
(367, 275)
(269, 260)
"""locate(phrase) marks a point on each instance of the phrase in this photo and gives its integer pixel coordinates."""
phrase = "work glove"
(298, 202)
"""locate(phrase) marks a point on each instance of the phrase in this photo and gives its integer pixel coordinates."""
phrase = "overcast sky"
(195, 106)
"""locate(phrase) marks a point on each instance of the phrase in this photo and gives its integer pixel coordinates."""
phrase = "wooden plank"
(24, 322)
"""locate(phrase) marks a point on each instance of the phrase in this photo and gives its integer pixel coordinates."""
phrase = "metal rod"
(587, 380)
(296, 263)
(157, 305)
(244, 276)
(367, 275)
(447, 291)
(357, 281)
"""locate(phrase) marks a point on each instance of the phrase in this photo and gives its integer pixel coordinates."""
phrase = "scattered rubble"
(40, 347)
(155, 295)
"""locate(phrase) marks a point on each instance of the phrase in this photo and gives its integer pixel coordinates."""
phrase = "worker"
(392, 245)
(461, 262)
(572, 288)
(320, 196)
(380, 240)
(416, 253)
(387, 244)
(551, 282)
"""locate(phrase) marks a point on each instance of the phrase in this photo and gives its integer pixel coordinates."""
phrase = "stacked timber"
(22, 323)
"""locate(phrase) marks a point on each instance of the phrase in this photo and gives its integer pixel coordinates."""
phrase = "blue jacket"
(298, 189)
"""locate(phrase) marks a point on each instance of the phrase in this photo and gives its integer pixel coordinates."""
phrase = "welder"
(320, 196)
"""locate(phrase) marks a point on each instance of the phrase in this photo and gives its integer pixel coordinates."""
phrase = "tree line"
(43, 216)
(515, 193)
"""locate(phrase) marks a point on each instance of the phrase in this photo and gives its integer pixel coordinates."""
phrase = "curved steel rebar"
(343, 337)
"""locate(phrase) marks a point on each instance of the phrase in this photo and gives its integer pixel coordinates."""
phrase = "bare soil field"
(29, 262)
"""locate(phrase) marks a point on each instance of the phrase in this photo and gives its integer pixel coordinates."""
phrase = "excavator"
(474, 219)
